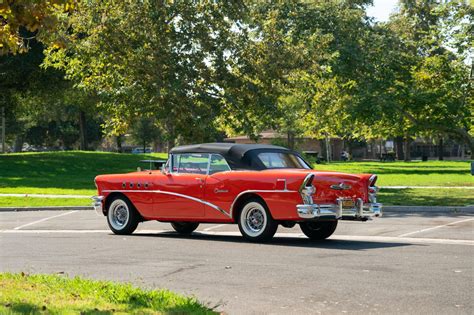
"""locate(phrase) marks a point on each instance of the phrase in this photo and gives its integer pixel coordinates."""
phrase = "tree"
(151, 58)
(144, 131)
(438, 89)
(40, 18)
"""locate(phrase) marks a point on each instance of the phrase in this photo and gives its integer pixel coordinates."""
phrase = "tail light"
(373, 189)
(307, 190)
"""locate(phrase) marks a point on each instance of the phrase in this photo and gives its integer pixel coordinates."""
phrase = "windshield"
(282, 160)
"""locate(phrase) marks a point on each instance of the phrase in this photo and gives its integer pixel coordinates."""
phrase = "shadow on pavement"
(281, 241)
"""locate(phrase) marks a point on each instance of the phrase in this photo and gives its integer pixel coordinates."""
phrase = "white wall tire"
(255, 221)
(121, 216)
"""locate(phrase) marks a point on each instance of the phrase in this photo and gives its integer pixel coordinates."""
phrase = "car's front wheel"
(122, 216)
(184, 228)
(255, 222)
(318, 230)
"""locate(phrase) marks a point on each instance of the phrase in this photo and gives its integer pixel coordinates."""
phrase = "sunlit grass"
(416, 173)
(427, 197)
(55, 294)
(42, 202)
(73, 172)
(70, 172)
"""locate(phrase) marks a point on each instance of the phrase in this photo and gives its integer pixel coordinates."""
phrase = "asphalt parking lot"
(401, 263)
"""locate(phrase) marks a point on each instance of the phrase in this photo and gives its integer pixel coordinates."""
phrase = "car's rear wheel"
(255, 222)
(184, 228)
(122, 216)
(318, 230)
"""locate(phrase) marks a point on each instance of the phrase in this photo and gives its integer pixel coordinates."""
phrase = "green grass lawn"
(42, 202)
(426, 197)
(73, 172)
(70, 172)
(55, 294)
(416, 173)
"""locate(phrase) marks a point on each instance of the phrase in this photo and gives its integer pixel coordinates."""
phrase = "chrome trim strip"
(203, 201)
(178, 195)
(341, 186)
(371, 178)
(309, 177)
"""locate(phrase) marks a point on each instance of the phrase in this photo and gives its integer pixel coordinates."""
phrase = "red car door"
(180, 194)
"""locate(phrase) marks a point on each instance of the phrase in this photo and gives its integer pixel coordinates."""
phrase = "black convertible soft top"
(239, 156)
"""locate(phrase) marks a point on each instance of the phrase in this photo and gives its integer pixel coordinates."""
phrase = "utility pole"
(3, 129)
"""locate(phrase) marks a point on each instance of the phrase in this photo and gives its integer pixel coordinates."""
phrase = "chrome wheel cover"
(253, 219)
(118, 214)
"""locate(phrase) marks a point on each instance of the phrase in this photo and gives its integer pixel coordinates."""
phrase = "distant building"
(372, 149)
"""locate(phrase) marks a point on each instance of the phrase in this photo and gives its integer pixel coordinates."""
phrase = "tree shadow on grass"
(281, 241)
(135, 304)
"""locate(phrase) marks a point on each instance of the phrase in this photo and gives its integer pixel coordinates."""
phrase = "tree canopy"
(202, 69)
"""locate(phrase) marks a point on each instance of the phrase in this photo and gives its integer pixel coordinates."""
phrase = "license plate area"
(348, 204)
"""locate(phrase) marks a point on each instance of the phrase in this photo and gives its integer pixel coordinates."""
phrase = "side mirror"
(165, 170)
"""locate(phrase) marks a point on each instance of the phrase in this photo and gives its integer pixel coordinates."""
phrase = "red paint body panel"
(204, 198)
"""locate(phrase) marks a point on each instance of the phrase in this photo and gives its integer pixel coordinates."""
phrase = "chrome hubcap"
(118, 214)
(253, 219)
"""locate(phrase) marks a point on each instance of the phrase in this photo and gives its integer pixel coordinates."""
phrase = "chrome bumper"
(361, 211)
(97, 204)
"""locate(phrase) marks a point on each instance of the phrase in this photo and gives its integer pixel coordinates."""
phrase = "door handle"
(199, 179)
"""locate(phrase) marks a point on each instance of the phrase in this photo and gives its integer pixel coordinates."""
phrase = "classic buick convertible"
(256, 186)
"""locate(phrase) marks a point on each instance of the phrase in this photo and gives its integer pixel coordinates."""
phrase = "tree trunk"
(291, 140)
(440, 148)
(118, 141)
(18, 145)
(399, 148)
(82, 131)
(406, 149)
(170, 144)
(144, 146)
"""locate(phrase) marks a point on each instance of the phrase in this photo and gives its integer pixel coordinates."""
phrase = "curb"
(417, 209)
(388, 209)
(55, 208)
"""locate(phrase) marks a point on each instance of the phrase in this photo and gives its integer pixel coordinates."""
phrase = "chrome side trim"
(203, 201)
(175, 194)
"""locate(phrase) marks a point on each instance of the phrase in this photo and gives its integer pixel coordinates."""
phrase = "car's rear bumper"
(360, 211)
(97, 204)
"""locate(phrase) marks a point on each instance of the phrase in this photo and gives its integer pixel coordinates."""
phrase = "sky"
(381, 9)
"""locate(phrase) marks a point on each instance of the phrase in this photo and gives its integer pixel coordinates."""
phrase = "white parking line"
(435, 227)
(44, 219)
(356, 238)
(214, 227)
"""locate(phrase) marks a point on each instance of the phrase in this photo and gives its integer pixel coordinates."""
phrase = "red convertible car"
(256, 186)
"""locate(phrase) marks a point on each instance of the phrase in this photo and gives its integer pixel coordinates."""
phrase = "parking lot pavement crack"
(181, 269)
